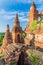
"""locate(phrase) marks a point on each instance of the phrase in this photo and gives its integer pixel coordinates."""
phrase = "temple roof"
(16, 26)
(16, 22)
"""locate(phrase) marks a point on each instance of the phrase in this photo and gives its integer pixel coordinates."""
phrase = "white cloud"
(23, 19)
(6, 15)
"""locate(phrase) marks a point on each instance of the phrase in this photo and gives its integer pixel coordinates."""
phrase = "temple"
(33, 15)
(17, 31)
(16, 35)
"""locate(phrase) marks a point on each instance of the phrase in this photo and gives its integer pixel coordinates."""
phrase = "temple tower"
(17, 31)
(7, 38)
(33, 14)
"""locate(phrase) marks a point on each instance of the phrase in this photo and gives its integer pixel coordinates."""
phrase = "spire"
(33, 6)
(16, 31)
(16, 22)
(7, 38)
(16, 16)
(7, 31)
(7, 27)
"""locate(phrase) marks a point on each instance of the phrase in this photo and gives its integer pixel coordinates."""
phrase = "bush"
(11, 63)
(34, 24)
(41, 21)
(33, 57)
(23, 35)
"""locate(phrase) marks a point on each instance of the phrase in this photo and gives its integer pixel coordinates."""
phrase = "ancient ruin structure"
(11, 50)
(33, 15)
(17, 31)
(7, 38)
(38, 32)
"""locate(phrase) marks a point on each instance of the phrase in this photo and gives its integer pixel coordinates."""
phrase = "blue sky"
(9, 8)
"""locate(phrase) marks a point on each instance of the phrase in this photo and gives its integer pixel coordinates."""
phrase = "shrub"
(34, 24)
(41, 21)
(33, 57)
(11, 63)
(23, 35)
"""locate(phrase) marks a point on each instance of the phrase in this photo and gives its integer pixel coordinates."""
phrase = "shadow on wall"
(21, 59)
(32, 41)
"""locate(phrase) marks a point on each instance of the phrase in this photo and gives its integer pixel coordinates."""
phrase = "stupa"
(33, 15)
(17, 31)
(7, 38)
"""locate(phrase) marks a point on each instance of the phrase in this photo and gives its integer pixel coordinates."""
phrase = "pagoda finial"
(16, 18)
(16, 15)
(16, 22)
(7, 27)
(33, 3)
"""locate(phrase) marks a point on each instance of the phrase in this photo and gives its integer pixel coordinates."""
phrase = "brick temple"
(16, 34)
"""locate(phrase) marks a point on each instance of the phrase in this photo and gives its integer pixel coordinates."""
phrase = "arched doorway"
(18, 38)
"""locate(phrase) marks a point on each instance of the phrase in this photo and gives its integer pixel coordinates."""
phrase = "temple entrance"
(18, 37)
(21, 59)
